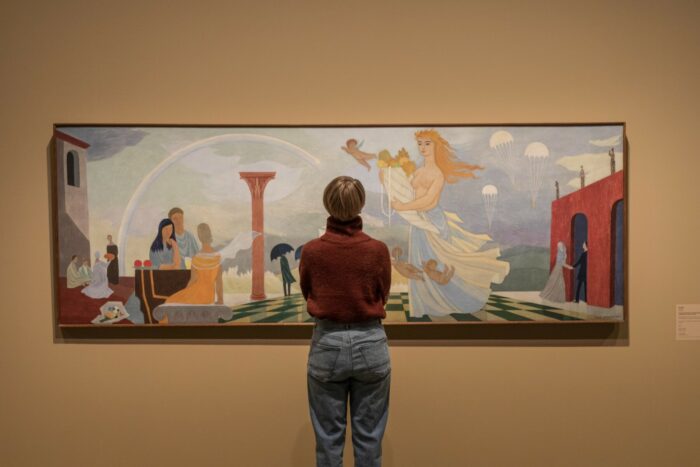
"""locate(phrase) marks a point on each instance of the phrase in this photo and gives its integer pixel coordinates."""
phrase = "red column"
(256, 183)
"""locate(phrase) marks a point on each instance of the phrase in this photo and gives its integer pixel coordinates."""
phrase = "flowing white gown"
(554, 290)
(437, 234)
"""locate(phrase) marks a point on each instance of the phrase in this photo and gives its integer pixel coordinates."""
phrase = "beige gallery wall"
(627, 400)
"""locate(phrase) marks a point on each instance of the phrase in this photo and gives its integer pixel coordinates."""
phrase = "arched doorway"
(579, 235)
(617, 262)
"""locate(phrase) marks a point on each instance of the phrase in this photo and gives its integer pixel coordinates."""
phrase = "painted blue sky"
(202, 178)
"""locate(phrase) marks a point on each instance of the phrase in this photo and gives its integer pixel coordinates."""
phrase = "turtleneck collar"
(344, 231)
(348, 227)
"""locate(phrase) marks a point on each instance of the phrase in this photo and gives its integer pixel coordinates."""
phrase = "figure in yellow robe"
(206, 283)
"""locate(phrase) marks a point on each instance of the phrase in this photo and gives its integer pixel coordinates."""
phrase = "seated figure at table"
(165, 253)
(75, 275)
(206, 283)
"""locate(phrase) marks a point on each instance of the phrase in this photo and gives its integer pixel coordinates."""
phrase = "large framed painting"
(164, 225)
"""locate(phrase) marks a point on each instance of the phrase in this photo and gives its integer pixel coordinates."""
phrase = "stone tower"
(72, 201)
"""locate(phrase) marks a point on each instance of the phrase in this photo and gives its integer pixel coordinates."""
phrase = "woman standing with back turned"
(345, 279)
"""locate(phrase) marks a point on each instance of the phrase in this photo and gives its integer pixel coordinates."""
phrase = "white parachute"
(536, 153)
(490, 195)
(502, 143)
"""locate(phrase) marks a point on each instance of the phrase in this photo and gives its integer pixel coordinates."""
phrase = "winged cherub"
(440, 277)
(407, 270)
(353, 148)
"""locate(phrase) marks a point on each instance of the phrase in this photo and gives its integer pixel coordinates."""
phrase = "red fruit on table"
(148, 263)
(137, 263)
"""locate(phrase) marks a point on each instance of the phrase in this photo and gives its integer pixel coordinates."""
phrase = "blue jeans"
(349, 360)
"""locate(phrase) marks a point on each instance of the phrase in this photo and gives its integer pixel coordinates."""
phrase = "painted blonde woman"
(436, 235)
(206, 283)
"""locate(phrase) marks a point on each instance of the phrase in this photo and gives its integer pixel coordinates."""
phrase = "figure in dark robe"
(582, 276)
(113, 268)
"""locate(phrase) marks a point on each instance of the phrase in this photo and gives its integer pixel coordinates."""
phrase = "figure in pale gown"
(554, 290)
(437, 235)
(85, 270)
(76, 276)
(99, 287)
(452, 247)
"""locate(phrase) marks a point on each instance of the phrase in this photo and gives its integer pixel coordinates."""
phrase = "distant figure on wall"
(582, 276)
(113, 268)
(554, 290)
(611, 154)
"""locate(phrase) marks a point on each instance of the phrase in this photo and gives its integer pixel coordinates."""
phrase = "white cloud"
(224, 182)
(608, 142)
(372, 221)
(145, 221)
(462, 136)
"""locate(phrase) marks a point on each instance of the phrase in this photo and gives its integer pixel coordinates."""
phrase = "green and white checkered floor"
(292, 309)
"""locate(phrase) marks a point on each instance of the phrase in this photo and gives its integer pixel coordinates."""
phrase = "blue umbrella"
(297, 254)
(280, 249)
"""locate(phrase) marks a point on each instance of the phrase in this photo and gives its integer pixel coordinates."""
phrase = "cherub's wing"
(398, 185)
(242, 241)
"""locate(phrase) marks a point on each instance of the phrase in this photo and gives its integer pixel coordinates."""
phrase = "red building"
(593, 214)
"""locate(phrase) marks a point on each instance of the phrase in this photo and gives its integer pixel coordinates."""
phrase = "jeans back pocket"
(322, 361)
(376, 356)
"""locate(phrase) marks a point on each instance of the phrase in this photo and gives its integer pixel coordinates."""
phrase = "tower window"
(73, 169)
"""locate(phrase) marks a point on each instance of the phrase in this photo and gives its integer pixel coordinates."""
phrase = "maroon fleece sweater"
(345, 274)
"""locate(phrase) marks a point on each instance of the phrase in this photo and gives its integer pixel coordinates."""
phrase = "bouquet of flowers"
(402, 159)
(396, 173)
(111, 312)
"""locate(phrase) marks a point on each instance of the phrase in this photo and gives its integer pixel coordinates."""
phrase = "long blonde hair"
(451, 167)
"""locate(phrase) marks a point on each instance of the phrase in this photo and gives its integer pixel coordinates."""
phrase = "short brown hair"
(344, 197)
(174, 211)
(204, 233)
